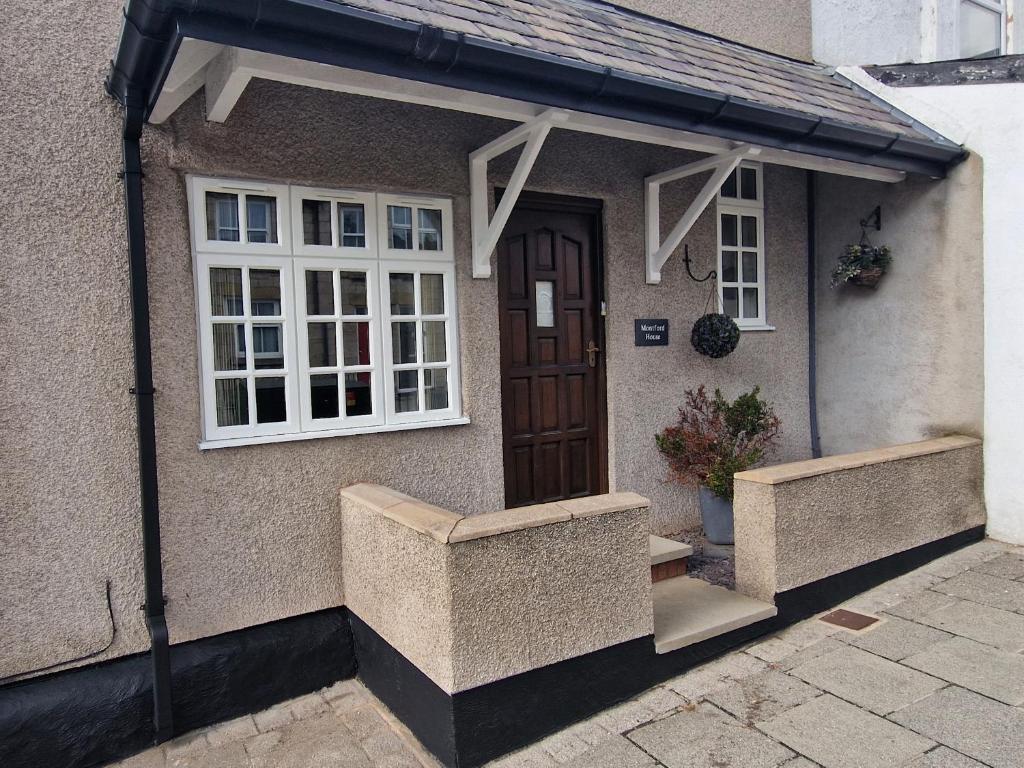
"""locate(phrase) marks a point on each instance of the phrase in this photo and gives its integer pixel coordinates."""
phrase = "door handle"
(592, 350)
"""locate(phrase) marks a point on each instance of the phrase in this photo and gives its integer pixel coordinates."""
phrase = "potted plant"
(712, 440)
(862, 264)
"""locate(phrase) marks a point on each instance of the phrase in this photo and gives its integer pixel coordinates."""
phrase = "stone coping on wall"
(448, 527)
(799, 470)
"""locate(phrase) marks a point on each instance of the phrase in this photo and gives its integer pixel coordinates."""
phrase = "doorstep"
(663, 550)
(687, 611)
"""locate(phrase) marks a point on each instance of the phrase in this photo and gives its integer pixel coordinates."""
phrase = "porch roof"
(580, 55)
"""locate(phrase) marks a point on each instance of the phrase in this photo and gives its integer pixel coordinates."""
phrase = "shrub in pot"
(713, 439)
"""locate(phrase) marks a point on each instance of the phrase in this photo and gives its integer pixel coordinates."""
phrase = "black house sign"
(650, 333)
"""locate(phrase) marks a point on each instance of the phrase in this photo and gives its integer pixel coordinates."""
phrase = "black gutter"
(331, 33)
(812, 316)
(144, 409)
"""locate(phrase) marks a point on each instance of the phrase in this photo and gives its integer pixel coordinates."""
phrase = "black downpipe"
(812, 316)
(143, 390)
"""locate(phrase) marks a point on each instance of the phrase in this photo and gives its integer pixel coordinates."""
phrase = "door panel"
(552, 397)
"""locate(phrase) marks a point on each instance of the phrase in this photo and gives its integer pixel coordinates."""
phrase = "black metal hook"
(686, 261)
(876, 216)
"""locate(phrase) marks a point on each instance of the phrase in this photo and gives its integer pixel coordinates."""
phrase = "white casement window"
(981, 28)
(322, 312)
(741, 267)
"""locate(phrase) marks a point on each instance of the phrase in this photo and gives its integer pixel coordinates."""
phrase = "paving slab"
(807, 633)
(615, 752)
(705, 737)
(224, 756)
(974, 725)
(944, 757)
(318, 742)
(895, 638)
(828, 645)
(959, 561)
(869, 681)
(696, 683)
(1006, 566)
(836, 734)
(772, 650)
(920, 605)
(762, 696)
(988, 625)
(982, 588)
(990, 671)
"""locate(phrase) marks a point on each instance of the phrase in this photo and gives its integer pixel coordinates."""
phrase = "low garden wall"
(801, 522)
(474, 599)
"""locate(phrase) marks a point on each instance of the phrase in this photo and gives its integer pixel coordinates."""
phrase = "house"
(323, 353)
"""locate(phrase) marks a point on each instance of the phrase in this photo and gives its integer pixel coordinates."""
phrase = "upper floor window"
(982, 26)
(319, 318)
(741, 272)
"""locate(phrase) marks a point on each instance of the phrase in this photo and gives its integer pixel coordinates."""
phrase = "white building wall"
(989, 120)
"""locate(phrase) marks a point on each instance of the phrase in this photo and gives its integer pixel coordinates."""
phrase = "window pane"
(353, 225)
(430, 229)
(316, 222)
(228, 347)
(232, 402)
(731, 302)
(750, 267)
(407, 393)
(319, 292)
(267, 349)
(729, 229)
(356, 343)
(358, 394)
(221, 216)
(729, 186)
(435, 388)
(403, 301)
(729, 267)
(403, 342)
(261, 219)
(270, 401)
(432, 294)
(545, 299)
(980, 31)
(400, 227)
(748, 183)
(434, 350)
(265, 291)
(750, 302)
(353, 293)
(749, 232)
(323, 396)
(225, 291)
(323, 345)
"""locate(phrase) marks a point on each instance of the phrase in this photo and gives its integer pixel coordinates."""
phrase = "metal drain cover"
(849, 619)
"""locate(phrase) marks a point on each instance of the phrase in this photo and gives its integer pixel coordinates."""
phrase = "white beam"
(226, 79)
(486, 233)
(657, 252)
(311, 74)
(187, 76)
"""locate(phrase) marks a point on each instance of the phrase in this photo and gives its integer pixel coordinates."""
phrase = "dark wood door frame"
(593, 209)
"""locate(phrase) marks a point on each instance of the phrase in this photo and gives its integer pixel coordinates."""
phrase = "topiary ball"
(715, 335)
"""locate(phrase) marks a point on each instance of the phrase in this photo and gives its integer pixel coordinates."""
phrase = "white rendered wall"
(989, 120)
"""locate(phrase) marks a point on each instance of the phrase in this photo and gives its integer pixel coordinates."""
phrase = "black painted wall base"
(93, 715)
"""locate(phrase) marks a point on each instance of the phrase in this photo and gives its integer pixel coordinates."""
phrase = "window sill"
(756, 328)
(205, 445)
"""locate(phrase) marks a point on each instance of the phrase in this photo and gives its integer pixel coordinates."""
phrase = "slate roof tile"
(607, 36)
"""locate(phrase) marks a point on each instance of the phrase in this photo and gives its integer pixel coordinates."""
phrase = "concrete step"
(668, 558)
(687, 611)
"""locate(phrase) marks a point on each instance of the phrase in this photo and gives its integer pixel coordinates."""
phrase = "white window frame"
(450, 318)
(373, 319)
(197, 189)
(996, 6)
(447, 251)
(740, 207)
(206, 320)
(292, 257)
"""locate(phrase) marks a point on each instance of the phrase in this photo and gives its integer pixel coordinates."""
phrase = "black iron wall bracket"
(686, 261)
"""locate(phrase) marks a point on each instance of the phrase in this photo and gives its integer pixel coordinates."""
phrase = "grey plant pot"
(716, 514)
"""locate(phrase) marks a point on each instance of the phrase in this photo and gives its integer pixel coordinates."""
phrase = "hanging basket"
(868, 278)
(715, 335)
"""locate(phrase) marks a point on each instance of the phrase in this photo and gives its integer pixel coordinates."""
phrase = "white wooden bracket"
(658, 251)
(486, 233)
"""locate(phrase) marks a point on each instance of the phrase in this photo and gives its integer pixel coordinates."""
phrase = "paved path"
(937, 683)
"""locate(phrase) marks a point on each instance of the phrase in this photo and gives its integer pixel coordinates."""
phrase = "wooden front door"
(552, 352)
